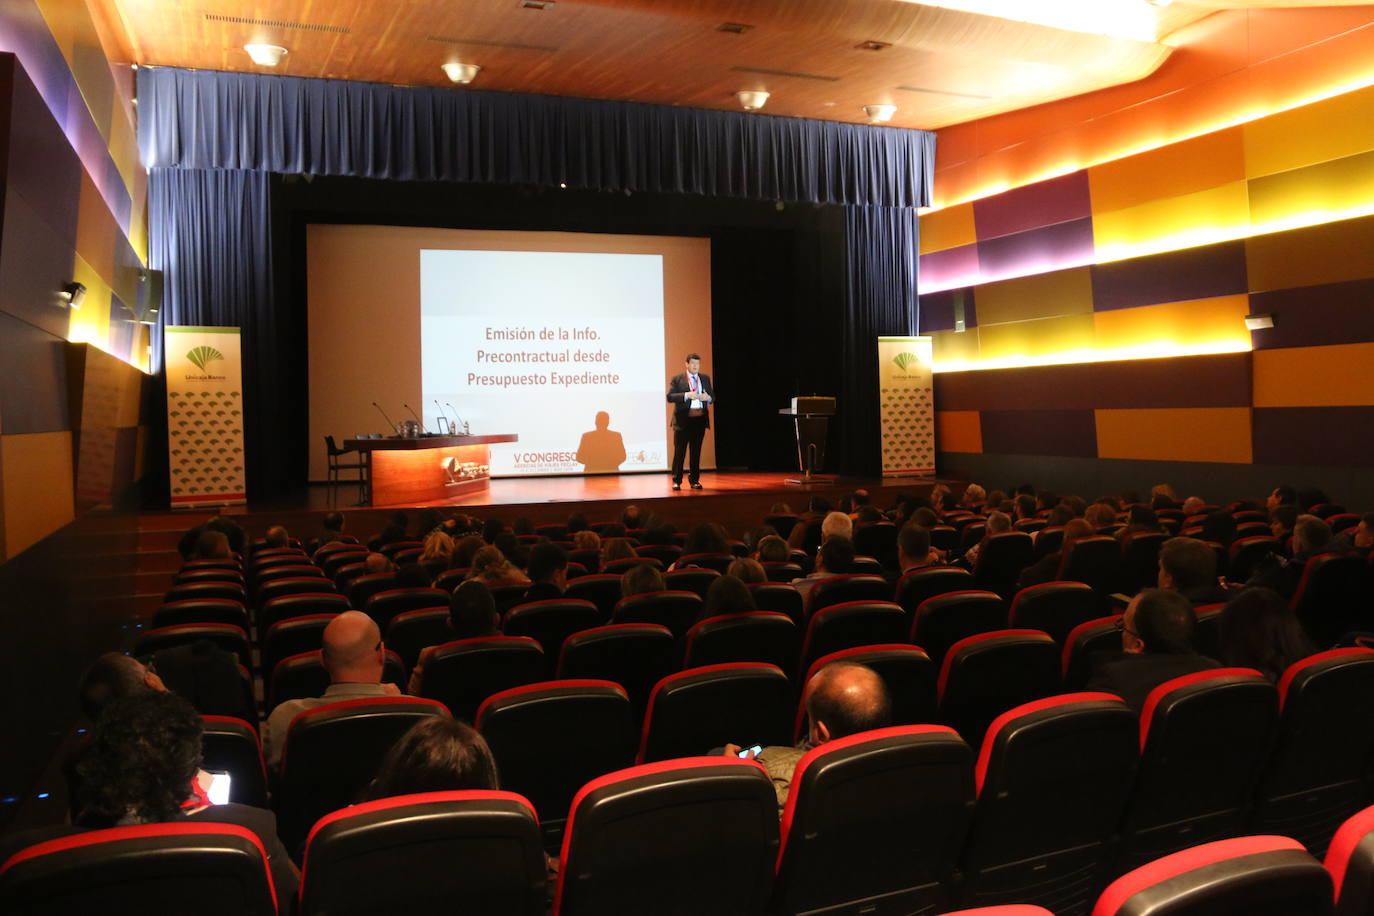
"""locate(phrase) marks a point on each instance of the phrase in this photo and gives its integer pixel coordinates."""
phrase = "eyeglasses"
(1120, 627)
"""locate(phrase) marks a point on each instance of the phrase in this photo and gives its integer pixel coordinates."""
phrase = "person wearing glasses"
(1156, 646)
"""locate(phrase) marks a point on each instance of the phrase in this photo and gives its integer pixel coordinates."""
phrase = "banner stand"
(204, 369)
(906, 406)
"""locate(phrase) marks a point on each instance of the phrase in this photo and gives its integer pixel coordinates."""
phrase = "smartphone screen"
(219, 787)
(750, 752)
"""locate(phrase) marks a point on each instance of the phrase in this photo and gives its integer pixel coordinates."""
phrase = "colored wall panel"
(1211, 323)
(1315, 193)
(36, 475)
(1315, 316)
(947, 228)
(1329, 253)
(1330, 129)
(1194, 219)
(1070, 433)
(1315, 376)
(1323, 436)
(1048, 295)
(1174, 170)
(1197, 434)
(949, 268)
(1038, 250)
(1193, 273)
(955, 347)
(938, 311)
(1032, 206)
(958, 431)
(1036, 338)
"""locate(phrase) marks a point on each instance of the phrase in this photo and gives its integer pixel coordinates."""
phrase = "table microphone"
(389, 425)
(417, 419)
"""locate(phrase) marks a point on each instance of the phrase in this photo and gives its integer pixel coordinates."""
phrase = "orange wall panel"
(948, 228)
(1218, 434)
(1039, 338)
(1333, 376)
(1047, 295)
(1168, 171)
(1330, 129)
(38, 496)
(1315, 193)
(1219, 321)
(958, 431)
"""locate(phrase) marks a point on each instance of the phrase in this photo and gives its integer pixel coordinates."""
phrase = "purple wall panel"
(1175, 276)
(1056, 200)
(1067, 433)
(1314, 436)
(1068, 244)
(949, 268)
(938, 311)
(1315, 316)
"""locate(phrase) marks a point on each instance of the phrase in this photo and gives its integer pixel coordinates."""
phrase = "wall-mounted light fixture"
(73, 293)
(1259, 321)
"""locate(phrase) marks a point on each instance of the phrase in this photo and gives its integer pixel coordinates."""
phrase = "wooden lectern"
(812, 417)
(418, 470)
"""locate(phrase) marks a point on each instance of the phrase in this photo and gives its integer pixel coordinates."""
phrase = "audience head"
(1192, 506)
(617, 549)
(333, 521)
(632, 517)
(1142, 518)
(351, 649)
(491, 528)
(510, 548)
(472, 611)
(818, 505)
(924, 517)
(1282, 519)
(844, 699)
(727, 595)
(1363, 535)
(1219, 526)
(1075, 529)
(1163, 491)
(577, 522)
(974, 496)
(438, 549)
(378, 563)
(1186, 564)
(211, 545)
(1311, 496)
(939, 496)
(587, 540)
(549, 563)
(230, 529)
(1259, 631)
(465, 550)
(1100, 515)
(1046, 499)
(837, 525)
(490, 564)
(773, 549)
(1159, 622)
(1059, 516)
(1282, 496)
(998, 522)
(913, 545)
(277, 536)
(1076, 504)
(706, 538)
(1025, 506)
(523, 526)
(747, 570)
(640, 579)
(141, 758)
(437, 754)
(1310, 535)
(111, 676)
(837, 556)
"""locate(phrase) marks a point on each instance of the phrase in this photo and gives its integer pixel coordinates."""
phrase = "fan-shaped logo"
(905, 359)
(203, 356)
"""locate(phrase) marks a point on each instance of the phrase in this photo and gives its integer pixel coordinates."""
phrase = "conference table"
(424, 469)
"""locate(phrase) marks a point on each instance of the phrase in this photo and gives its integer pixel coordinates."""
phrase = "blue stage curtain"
(292, 125)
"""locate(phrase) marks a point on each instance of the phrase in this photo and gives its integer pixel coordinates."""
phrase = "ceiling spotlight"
(461, 73)
(752, 99)
(265, 55)
(880, 114)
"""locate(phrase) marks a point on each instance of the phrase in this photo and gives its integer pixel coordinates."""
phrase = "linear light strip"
(1152, 350)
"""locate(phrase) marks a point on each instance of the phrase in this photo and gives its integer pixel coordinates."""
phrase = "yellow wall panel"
(1333, 376)
(1331, 129)
(1174, 170)
(955, 347)
(1329, 253)
(958, 431)
(1195, 219)
(36, 476)
(1219, 321)
(1317, 193)
(91, 322)
(1219, 434)
(947, 228)
(1032, 339)
(1047, 295)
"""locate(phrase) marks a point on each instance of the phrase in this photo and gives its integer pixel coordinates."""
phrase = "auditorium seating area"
(1001, 784)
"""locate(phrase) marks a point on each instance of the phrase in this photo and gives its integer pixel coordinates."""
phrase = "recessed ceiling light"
(872, 45)
(461, 73)
(734, 28)
(752, 99)
(880, 114)
(265, 55)
(536, 4)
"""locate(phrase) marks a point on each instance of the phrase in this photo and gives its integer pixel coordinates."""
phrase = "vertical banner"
(204, 416)
(906, 405)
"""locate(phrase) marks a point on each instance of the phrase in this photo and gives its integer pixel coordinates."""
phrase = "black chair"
(677, 610)
(600, 589)
(634, 655)
(877, 540)
(874, 823)
(1001, 558)
(845, 588)
(232, 591)
(1140, 560)
(1335, 596)
(758, 636)
(985, 675)
(383, 606)
(694, 579)
(720, 562)
(407, 853)
(550, 622)
(1055, 607)
(410, 632)
(1093, 560)
(186, 576)
(202, 610)
(1350, 862)
(463, 673)
(293, 585)
(300, 605)
(223, 635)
(854, 623)
(667, 554)
(1247, 553)
(333, 454)
(945, 619)
(684, 836)
(782, 572)
(293, 636)
(363, 587)
(927, 582)
(907, 672)
(1092, 636)
(701, 708)
(231, 745)
(551, 738)
(778, 597)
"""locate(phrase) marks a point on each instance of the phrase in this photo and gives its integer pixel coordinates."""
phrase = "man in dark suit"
(691, 395)
(1157, 646)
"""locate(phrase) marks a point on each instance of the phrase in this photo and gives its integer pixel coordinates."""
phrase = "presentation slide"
(565, 339)
(552, 344)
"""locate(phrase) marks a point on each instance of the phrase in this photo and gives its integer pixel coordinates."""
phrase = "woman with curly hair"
(491, 567)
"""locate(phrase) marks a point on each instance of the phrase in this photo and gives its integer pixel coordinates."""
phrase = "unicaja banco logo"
(203, 356)
(905, 359)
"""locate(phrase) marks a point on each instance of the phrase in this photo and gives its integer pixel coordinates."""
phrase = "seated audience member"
(1219, 527)
(437, 754)
(465, 549)
(841, 699)
(210, 545)
(548, 572)
(998, 523)
(427, 520)
(1046, 499)
(1312, 496)
(974, 498)
(1192, 506)
(437, 555)
(817, 508)
(1162, 496)
(613, 530)
(1281, 496)
(1189, 566)
(773, 549)
(1024, 507)
(867, 515)
(941, 498)
(925, 517)
(706, 538)
(1259, 631)
(836, 525)
(471, 615)
(491, 528)
(492, 569)
(641, 579)
(1311, 537)
(835, 558)
(586, 540)
(1060, 515)
(577, 522)
(277, 536)
(997, 500)
(1156, 646)
(512, 549)
(331, 531)
(632, 517)
(727, 595)
(1282, 521)
(1100, 515)
(857, 501)
(397, 529)
(914, 550)
(413, 575)
(204, 674)
(354, 656)
(616, 549)
(378, 563)
(112, 676)
(1046, 569)
(1076, 505)
(523, 527)
(747, 570)
(1362, 538)
(140, 767)
(754, 535)
(1141, 520)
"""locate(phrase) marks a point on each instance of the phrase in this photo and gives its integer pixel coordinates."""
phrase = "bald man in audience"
(841, 699)
(353, 655)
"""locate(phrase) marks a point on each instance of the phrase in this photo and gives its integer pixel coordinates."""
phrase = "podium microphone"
(458, 418)
(423, 431)
(447, 422)
(389, 425)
